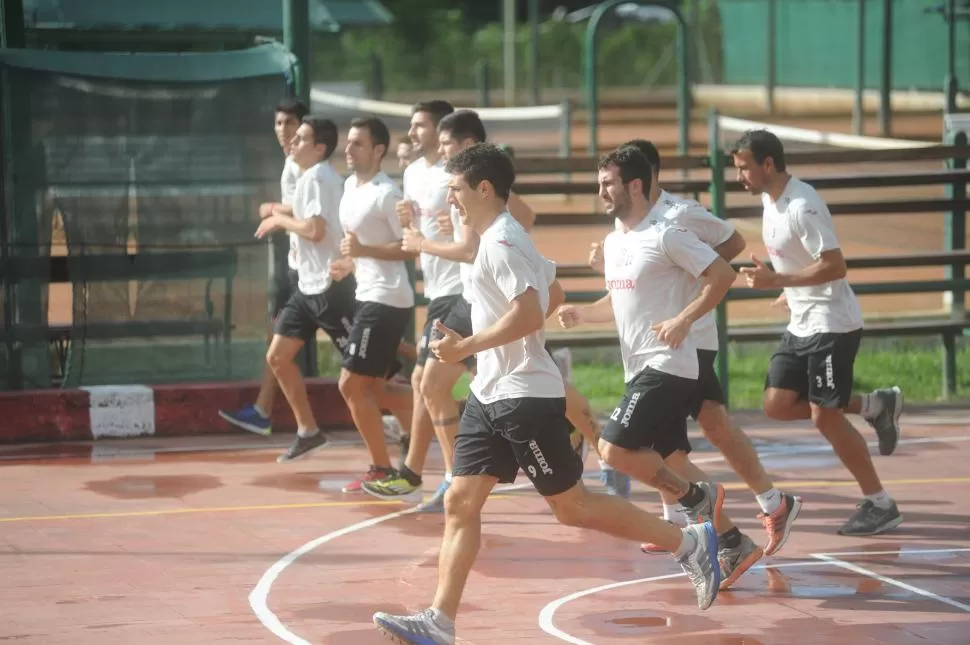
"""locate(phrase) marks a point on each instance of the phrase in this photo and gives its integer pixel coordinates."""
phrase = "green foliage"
(443, 52)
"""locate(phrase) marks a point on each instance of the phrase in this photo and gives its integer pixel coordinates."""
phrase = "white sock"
(448, 476)
(687, 544)
(871, 405)
(305, 432)
(441, 619)
(260, 411)
(881, 500)
(675, 513)
(769, 501)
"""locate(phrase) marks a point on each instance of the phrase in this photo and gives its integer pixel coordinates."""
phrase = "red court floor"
(211, 541)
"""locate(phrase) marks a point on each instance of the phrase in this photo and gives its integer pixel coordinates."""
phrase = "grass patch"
(916, 365)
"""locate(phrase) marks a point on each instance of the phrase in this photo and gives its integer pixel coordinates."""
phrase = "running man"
(451, 244)
(289, 116)
(707, 406)
(385, 299)
(810, 374)
(515, 415)
(425, 197)
(661, 281)
(319, 302)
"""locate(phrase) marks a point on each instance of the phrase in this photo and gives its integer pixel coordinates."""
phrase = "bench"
(208, 264)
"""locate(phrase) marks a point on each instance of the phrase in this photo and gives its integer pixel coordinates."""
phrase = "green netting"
(130, 207)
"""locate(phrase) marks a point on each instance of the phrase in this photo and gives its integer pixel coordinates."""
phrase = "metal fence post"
(716, 162)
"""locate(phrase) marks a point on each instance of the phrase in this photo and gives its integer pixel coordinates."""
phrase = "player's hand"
(448, 347)
(350, 246)
(781, 302)
(405, 212)
(411, 242)
(597, 261)
(673, 332)
(445, 225)
(570, 316)
(266, 227)
(759, 276)
(266, 210)
(341, 268)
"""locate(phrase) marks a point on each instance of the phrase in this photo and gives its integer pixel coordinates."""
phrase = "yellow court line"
(204, 509)
(788, 485)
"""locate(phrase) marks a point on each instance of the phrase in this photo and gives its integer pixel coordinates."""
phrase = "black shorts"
(652, 414)
(459, 320)
(286, 286)
(440, 309)
(374, 339)
(818, 367)
(708, 385)
(498, 438)
(332, 311)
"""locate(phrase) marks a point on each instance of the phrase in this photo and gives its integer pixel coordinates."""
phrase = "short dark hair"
(436, 108)
(762, 144)
(293, 107)
(377, 129)
(649, 151)
(324, 131)
(484, 162)
(463, 124)
(631, 163)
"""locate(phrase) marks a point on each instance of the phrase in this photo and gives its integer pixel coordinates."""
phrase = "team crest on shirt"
(506, 243)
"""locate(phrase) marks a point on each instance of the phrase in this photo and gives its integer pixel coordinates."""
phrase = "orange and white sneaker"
(778, 523)
(734, 562)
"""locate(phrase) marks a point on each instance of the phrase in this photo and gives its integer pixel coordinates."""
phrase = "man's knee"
(438, 380)
(780, 405)
(353, 385)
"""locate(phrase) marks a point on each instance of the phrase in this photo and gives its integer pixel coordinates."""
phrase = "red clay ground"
(162, 542)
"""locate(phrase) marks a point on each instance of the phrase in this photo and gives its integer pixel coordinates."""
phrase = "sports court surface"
(209, 540)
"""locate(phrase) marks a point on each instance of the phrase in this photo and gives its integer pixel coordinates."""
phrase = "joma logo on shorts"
(540, 458)
(630, 407)
(364, 339)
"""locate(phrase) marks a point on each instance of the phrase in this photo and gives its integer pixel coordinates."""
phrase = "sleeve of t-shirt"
(687, 251)
(392, 195)
(813, 224)
(510, 269)
(709, 229)
(313, 199)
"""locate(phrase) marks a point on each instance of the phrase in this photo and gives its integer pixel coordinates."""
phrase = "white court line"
(890, 581)
(258, 597)
(896, 552)
(549, 611)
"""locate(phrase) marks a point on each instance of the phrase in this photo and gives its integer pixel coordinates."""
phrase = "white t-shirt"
(686, 213)
(291, 173)
(796, 230)
(651, 273)
(368, 211)
(506, 266)
(464, 268)
(317, 194)
(427, 186)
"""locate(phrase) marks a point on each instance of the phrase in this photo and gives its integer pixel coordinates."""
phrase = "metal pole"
(590, 80)
(858, 108)
(886, 78)
(534, 81)
(296, 37)
(950, 84)
(716, 156)
(508, 51)
(772, 58)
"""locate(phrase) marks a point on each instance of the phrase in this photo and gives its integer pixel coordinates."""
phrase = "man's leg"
(256, 417)
(482, 458)
(377, 331)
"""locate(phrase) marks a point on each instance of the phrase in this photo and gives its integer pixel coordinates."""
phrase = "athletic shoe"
(886, 423)
(872, 520)
(734, 562)
(417, 629)
(779, 522)
(302, 446)
(249, 419)
(701, 565)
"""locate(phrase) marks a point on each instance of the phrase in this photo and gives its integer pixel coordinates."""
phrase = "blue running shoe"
(249, 419)
(437, 502)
